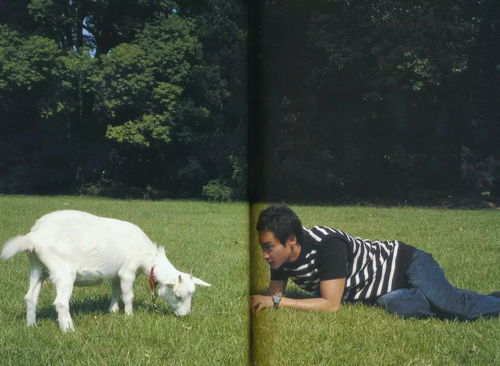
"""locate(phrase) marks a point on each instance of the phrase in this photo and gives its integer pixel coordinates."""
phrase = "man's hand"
(260, 302)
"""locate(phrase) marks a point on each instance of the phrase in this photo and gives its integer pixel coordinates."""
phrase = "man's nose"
(265, 255)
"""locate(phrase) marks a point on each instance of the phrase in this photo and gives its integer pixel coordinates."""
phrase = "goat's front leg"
(64, 288)
(127, 284)
(115, 295)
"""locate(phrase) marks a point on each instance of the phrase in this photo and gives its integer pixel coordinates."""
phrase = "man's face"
(273, 252)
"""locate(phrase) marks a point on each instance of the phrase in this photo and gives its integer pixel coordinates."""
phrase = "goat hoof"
(68, 327)
(114, 309)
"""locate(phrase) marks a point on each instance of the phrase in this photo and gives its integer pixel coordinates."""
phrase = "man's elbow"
(333, 308)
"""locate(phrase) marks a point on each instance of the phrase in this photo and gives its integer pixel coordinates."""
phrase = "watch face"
(276, 300)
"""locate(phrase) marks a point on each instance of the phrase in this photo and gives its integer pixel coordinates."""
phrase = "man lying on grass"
(336, 267)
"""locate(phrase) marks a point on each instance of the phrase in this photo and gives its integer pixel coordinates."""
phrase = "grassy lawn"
(211, 241)
(465, 243)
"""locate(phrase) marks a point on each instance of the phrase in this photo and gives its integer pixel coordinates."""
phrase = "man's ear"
(291, 240)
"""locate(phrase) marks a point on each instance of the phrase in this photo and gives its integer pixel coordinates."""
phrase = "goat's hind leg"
(37, 276)
(64, 288)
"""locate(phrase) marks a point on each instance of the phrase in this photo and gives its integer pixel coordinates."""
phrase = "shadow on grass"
(100, 306)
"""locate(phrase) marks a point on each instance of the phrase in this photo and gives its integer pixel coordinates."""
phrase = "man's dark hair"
(282, 221)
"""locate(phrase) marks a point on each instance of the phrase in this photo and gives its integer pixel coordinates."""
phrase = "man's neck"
(295, 252)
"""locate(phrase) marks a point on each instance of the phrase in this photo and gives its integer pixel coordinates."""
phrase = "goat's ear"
(199, 282)
(180, 279)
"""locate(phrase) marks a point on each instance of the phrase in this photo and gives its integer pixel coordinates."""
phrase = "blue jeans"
(432, 295)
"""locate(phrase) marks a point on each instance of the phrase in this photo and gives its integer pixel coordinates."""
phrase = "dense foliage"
(385, 99)
(349, 100)
(127, 98)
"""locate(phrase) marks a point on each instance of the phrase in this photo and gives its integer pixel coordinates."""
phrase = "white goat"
(78, 248)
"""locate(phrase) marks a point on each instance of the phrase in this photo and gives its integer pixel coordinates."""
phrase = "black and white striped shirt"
(371, 268)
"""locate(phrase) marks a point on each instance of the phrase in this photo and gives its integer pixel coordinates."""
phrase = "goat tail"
(17, 245)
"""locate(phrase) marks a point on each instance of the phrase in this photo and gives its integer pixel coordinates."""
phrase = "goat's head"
(179, 293)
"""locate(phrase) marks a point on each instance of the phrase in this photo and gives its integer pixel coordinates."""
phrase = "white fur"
(81, 249)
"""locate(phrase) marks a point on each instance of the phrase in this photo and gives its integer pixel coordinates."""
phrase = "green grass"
(211, 241)
(207, 239)
(465, 243)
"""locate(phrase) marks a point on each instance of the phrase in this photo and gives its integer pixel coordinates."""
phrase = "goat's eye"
(177, 297)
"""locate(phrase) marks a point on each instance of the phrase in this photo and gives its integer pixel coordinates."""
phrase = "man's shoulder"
(319, 234)
(324, 241)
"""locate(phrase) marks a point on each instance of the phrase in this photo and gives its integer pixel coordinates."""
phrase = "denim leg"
(425, 274)
(407, 303)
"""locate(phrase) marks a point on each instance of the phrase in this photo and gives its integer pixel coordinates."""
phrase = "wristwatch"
(276, 301)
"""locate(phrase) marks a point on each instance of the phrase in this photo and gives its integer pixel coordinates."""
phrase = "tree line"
(323, 101)
(390, 100)
(134, 98)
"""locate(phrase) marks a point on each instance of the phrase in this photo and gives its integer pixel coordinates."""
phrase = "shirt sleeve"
(332, 260)
(278, 275)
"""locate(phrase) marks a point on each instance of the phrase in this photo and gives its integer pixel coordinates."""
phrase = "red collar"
(152, 282)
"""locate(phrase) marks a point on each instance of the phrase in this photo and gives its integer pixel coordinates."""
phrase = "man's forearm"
(315, 304)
